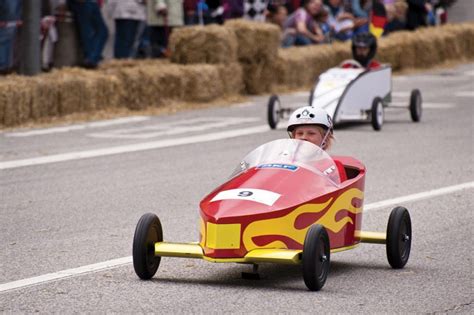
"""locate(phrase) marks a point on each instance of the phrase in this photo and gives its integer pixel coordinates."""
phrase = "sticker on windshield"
(288, 167)
(258, 195)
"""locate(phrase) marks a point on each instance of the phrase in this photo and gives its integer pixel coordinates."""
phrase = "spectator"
(340, 20)
(360, 9)
(10, 19)
(93, 32)
(396, 13)
(48, 34)
(416, 13)
(322, 18)
(67, 50)
(233, 9)
(129, 16)
(190, 16)
(293, 5)
(301, 28)
(277, 14)
(162, 16)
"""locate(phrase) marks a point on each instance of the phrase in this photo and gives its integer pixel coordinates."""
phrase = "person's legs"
(158, 41)
(100, 34)
(302, 40)
(7, 36)
(288, 40)
(84, 27)
(125, 35)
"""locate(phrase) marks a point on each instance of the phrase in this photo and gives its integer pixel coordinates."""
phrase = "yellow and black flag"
(378, 18)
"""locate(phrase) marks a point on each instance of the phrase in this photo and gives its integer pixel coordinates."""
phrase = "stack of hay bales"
(210, 56)
(300, 66)
(257, 52)
(427, 47)
(59, 93)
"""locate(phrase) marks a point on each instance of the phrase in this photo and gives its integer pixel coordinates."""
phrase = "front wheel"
(316, 257)
(415, 105)
(398, 237)
(273, 111)
(147, 233)
(377, 113)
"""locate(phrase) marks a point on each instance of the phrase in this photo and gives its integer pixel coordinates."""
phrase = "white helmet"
(308, 115)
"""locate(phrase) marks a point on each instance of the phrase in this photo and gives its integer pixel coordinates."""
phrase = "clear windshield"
(291, 154)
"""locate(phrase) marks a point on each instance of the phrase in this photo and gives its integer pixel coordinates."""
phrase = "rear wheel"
(398, 237)
(316, 257)
(415, 105)
(377, 113)
(273, 111)
(147, 233)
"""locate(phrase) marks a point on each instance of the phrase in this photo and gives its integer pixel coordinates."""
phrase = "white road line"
(401, 94)
(134, 147)
(427, 105)
(95, 124)
(418, 196)
(244, 105)
(172, 128)
(114, 263)
(469, 73)
(464, 94)
(299, 94)
(74, 272)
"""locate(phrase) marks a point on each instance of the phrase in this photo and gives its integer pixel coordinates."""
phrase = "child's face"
(281, 15)
(312, 134)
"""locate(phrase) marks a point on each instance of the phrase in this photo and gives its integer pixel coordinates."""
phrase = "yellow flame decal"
(284, 226)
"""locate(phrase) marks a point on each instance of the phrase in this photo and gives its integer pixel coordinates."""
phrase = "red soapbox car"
(285, 203)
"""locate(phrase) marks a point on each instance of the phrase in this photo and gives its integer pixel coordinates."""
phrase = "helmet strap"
(323, 142)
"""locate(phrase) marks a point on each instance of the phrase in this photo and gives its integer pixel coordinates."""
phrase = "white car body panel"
(347, 94)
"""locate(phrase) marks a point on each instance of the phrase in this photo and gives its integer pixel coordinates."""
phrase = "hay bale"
(203, 44)
(259, 76)
(45, 96)
(389, 52)
(135, 87)
(15, 100)
(300, 66)
(257, 41)
(128, 63)
(147, 86)
(201, 83)
(232, 78)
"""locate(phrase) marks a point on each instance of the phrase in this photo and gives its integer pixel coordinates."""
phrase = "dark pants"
(7, 39)
(92, 29)
(125, 35)
(296, 40)
(159, 40)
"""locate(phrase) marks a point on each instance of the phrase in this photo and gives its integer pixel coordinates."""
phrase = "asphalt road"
(71, 197)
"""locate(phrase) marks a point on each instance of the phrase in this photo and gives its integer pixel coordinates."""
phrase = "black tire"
(416, 105)
(399, 237)
(147, 233)
(377, 113)
(273, 111)
(316, 257)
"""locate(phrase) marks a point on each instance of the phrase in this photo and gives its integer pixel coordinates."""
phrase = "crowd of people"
(142, 27)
